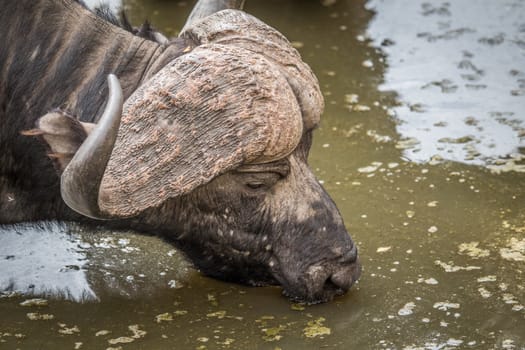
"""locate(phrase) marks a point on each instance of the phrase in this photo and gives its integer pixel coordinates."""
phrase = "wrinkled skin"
(258, 223)
(245, 227)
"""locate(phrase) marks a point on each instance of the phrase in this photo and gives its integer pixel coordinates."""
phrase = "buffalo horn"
(237, 28)
(80, 181)
(203, 114)
(204, 8)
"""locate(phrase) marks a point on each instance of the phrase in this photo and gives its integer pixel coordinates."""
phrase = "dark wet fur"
(121, 20)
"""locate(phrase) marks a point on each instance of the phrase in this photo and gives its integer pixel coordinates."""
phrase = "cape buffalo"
(205, 144)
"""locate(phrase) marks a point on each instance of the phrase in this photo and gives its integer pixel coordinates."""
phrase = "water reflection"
(459, 68)
(85, 264)
(43, 260)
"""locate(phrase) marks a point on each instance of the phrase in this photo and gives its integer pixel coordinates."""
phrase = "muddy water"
(440, 224)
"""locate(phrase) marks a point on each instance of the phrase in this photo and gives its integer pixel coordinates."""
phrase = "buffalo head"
(211, 152)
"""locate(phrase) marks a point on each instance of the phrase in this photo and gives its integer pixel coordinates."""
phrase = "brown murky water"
(421, 146)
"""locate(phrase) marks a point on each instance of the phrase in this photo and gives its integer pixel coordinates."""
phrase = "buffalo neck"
(58, 54)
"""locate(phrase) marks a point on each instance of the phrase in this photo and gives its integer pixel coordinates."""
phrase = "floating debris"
(445, 305)
(490, 278)
(106, 243)
(353, 130)
(352, 103)
(165, 317)
(227, 342)
(367, 64)
(297, 306)
(377, 137)
(102, 332)
(68, 331)
(454, 342)
(408, 309)
(503, 286)
(450, 267)
(35, 316)
(315, 328)
(429, 281)
(121, 340)
(360, 108)
(392, 165)
(508, 344)
(484, 292)
(273, 334)
(383, 249)
(436, 159)
(174, 284)
(34, 302)
(509, 298)
(515, 250)
(212, 298)
(370, 168)
(137, 334)
(407, 143)
(432, 229)
(471, 249)
(222, 314)
(352, 98)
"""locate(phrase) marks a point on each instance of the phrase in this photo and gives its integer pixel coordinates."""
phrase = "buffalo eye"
(258, 178)
(255, 185)
(259, 182)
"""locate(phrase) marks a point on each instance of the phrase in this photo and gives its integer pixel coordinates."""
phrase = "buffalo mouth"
(318, 289)
(323, 281)
(308, 290)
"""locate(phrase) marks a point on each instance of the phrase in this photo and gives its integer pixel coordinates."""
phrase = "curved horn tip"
(80, 181)
(115, 91)
(113, 83)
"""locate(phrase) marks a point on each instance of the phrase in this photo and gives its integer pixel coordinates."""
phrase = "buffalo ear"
(63, 135)
(205, 113)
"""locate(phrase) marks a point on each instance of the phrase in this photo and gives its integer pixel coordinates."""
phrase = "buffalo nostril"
(349, 256)
(327, 281)
(342, 279)
(345, 276)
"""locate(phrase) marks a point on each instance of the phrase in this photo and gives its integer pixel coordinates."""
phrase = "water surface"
(441, 231)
